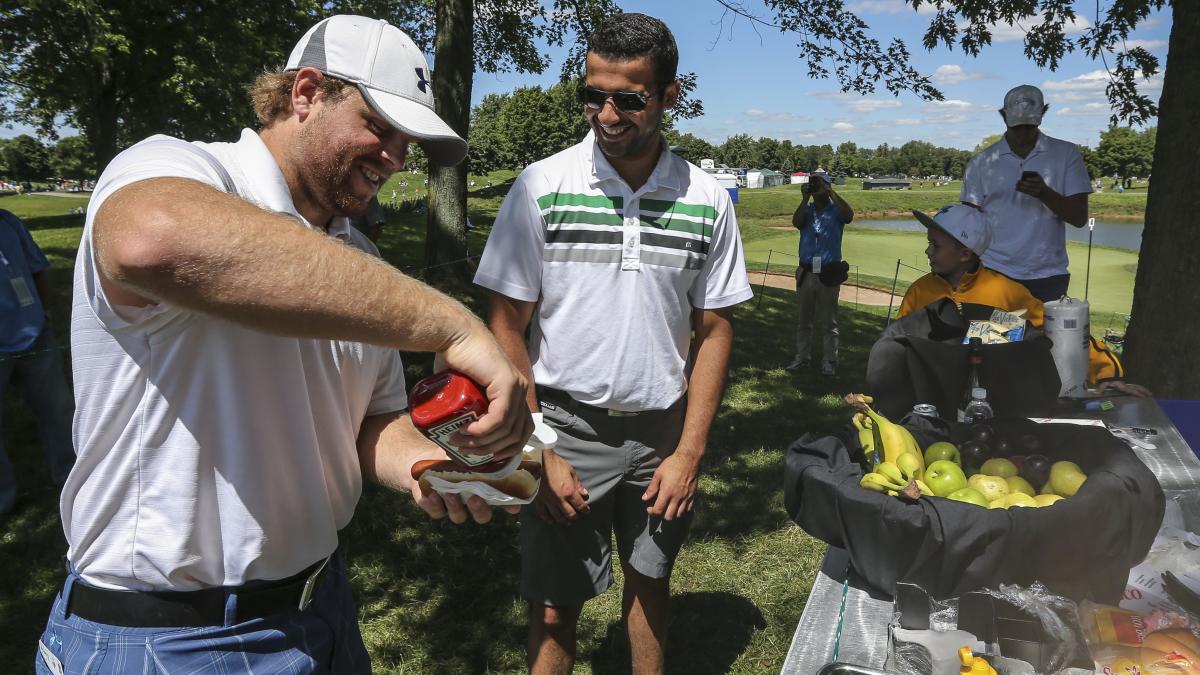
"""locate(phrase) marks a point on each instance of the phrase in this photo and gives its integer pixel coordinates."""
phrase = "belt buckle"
(306, 595)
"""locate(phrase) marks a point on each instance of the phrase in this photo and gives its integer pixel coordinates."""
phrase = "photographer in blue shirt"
(821, 218)
(28, 349)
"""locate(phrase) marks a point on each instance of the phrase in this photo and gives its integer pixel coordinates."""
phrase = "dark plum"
(1036, 470)
(983, 433)
(1001, 447)
(974, 454)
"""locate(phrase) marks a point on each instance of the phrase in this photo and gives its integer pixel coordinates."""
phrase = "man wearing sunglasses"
(618, 252)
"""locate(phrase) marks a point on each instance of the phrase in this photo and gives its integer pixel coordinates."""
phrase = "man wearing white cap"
(1029, 186)
(234, 345)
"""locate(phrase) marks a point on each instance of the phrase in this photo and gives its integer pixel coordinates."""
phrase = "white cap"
(1023, 105)
(389, 70)
(965, 223)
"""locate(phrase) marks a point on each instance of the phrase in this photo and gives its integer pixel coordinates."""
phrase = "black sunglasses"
(625, 101)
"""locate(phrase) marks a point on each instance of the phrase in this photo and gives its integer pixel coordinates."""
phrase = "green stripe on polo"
(575, 199)
(667, 207)
(584, 217)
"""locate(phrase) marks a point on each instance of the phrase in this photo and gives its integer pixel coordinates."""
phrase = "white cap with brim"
(1024, 105)
(965, 224)
(389, 70)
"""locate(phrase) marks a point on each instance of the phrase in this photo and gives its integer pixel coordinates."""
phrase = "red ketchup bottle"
(443, 403)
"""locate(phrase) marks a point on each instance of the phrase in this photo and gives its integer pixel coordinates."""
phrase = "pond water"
(1115, 235)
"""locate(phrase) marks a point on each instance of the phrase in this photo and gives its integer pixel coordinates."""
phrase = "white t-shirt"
(1028, 240)
(210, 454)
(616, 272)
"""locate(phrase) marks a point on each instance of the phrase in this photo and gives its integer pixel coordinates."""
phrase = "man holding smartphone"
(1029, 187)
(821, 218)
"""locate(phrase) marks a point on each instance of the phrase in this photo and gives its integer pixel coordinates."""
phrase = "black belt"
(204, 607)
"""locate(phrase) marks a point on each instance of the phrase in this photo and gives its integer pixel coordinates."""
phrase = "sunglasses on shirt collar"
(625, 101)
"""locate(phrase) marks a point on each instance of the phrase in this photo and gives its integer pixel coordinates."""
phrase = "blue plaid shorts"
(323, 638)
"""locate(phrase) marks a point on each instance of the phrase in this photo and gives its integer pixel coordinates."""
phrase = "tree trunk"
(1160, 348)
(454, 66)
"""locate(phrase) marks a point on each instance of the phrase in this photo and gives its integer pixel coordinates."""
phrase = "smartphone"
(1029, 175)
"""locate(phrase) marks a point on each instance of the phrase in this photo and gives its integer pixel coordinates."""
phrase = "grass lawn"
(438, 598)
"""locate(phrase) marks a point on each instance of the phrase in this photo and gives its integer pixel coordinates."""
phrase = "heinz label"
(441, 434)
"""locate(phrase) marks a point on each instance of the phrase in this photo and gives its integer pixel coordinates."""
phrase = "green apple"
(944, 477)
(1047, 500)
(1018, 484)
(1018, 499)
(1065, 478)
(1047, 489)
(998, 466)
(942, 450)
(996, 503)
(991, 487)
(969, 495)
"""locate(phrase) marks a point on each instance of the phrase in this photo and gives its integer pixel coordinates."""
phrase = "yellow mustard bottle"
(973, 665)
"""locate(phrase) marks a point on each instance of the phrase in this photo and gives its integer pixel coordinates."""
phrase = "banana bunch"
(897, 479)
(889, 440)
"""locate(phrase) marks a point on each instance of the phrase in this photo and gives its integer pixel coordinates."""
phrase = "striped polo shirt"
(616, 272)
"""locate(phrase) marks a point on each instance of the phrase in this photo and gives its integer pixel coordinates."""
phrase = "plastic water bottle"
(978, 410)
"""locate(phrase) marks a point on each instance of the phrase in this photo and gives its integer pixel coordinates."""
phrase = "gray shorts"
(615, 458)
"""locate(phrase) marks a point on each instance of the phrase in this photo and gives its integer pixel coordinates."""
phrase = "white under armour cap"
(389, 70)
(965, 223)
(1023, 105)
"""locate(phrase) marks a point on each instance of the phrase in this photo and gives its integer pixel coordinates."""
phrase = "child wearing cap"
(958, 235)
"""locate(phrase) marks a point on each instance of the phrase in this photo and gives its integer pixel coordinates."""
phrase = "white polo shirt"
(1028, 240)
(210, 454)
(616, 272)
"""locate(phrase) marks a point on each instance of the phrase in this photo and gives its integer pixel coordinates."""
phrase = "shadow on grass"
(708, 632)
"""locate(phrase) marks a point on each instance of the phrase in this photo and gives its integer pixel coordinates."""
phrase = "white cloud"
(843, 126)
(1007, 32)
(783, 116)
(906, 122)
(871, 105)
(956, 106)
(1148, 45)
(1089, 88)
(951, 74)
(1086, 110)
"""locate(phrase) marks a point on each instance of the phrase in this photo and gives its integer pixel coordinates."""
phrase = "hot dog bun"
(521, 483)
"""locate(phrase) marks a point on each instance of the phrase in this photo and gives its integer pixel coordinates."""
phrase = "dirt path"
(849, 292)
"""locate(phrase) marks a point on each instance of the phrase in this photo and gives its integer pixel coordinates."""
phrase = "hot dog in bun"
(520, 483)
(505, 482)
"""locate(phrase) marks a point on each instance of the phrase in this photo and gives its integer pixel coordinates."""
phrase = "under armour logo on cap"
(421, 81)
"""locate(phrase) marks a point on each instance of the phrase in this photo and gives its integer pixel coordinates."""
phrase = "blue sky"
(753, 81)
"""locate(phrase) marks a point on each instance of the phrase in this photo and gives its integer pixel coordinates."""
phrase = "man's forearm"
(1071, 209)
(388, 445)
(800, 216)
(179, 241)
(714, 340)
(507, 319)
